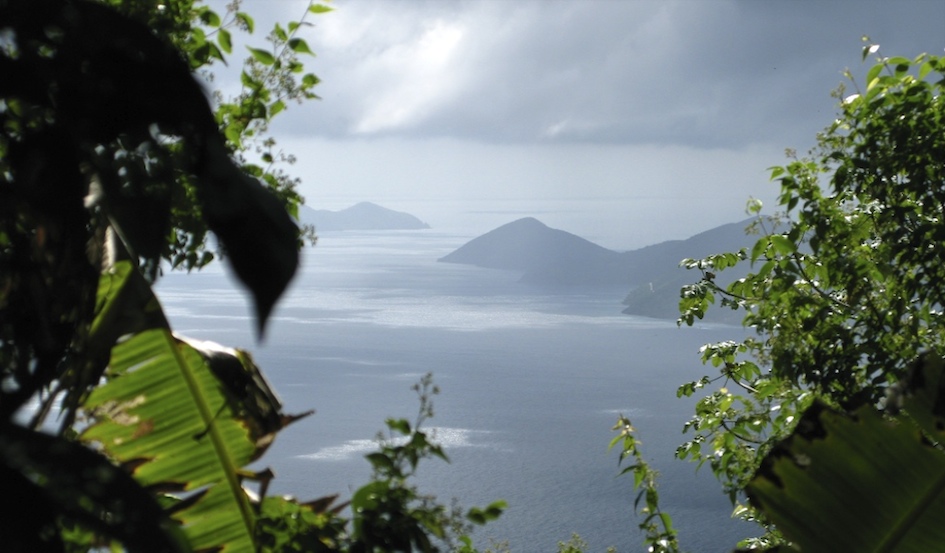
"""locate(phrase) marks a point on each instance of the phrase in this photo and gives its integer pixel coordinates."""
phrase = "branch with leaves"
(845, 289)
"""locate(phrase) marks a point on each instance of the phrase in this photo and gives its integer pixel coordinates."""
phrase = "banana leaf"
(859, 481)
(166, 415)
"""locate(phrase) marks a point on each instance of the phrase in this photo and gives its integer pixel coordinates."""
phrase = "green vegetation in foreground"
(824, 427)
(112, 162)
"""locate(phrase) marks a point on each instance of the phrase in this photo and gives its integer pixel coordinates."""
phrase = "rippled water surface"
(532, 381)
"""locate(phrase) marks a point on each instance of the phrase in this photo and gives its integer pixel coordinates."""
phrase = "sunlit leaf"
(185, 425)
(299, 45)
(262, 56)
(210, 17)
(225, 41)
(280, 32)
(163, 406)
(245, 19)
(309, 80)
(782, 244)
(758, 249)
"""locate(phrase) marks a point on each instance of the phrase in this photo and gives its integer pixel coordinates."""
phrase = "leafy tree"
(846, 287)
(112, 162)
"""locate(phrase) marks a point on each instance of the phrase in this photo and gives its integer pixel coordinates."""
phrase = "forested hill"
(554, 257)
(361, 216)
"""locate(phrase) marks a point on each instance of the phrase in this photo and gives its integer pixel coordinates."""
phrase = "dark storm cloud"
(698, 72)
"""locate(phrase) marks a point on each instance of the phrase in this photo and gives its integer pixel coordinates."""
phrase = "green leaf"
(380, 461)
(209, 17)
(782, 244)
(399, 425)
(225, 41)
(233, 134)
(276, 107)
(262, 56)
(188, 420)
(299, 45)
(758, 249)
(280, 32)
(854, 483)
(246, 20)
(319, 8)
(166, 412)
(215, 52)
(200, 55)
(874, 72)
(491, 512)
(899, 60)
(309, 80)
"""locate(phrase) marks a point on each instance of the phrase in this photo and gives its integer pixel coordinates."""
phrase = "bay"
(531, 380)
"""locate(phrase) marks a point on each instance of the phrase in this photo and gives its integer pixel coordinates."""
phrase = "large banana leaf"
(861, 481)
(167, 415)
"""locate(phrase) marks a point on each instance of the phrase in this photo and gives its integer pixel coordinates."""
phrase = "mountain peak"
(526, 222)
(544, 254)
(365, 205)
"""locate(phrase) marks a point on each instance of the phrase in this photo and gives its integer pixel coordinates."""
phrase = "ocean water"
(532, 380)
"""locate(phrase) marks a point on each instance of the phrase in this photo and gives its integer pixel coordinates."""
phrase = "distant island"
(544, 255)
(547, 256)
(361, 216)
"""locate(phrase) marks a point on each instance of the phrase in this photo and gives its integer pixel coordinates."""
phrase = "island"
(552, 257)
(361, 216)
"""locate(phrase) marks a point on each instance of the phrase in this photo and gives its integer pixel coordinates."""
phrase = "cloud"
(418, 70)
(711, 73)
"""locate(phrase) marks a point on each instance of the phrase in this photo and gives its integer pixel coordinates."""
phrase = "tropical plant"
(862, 480)
(113, 167)
(846, 288)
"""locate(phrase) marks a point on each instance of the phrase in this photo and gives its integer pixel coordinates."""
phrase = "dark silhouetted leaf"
(259, 237)
(854, 483)
(92, 491)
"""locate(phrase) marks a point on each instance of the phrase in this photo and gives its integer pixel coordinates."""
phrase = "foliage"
(163, 410)
(389, 513)
(657, 526)
(112, 162)
(862, 481)
(846, 285)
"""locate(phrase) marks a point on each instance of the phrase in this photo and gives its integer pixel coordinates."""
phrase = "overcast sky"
(666, 113)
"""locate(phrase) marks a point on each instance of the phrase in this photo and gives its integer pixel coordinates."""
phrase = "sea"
(531, 383)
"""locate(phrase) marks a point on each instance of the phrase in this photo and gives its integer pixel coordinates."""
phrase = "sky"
(624, 121)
